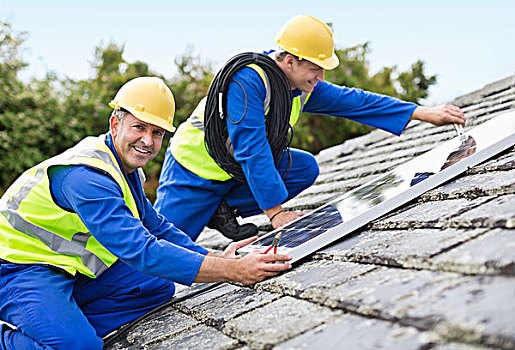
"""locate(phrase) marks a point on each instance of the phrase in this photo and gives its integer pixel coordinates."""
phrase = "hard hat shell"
(309, 38)
(148, 99)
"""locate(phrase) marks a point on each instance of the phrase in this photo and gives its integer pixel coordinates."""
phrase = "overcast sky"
(466, 43)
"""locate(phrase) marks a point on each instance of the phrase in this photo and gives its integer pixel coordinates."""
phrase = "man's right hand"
(439, 115)
(252, 268)
(255, 267)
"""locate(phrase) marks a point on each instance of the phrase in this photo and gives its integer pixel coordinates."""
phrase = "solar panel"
(383, 194)
(307, 227)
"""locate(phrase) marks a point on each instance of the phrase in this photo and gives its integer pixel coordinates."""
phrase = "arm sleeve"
(98, 201)
(248, 137)
(163, 229)
(380, 111)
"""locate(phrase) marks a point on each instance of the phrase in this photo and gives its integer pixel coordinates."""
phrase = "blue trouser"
(189, 201)
(54, 310)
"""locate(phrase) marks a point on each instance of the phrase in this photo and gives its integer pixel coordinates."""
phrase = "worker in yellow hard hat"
(82, 251)
(213, 172)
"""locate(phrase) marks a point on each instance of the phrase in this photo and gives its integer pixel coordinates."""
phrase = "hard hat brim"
(147, 117)
(327, 64)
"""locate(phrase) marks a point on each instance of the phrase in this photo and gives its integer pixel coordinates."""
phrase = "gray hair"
(120, 113)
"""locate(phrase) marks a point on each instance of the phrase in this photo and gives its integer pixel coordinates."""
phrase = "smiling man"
(306, 50)
(83, 252)
(137, 144)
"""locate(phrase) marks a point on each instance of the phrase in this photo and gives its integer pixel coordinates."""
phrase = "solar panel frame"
(500, 133)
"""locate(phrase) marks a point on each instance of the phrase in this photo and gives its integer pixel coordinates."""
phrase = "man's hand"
(285, 217)
(253, 267)
(439, 115)
(278, 217)
(230, 251)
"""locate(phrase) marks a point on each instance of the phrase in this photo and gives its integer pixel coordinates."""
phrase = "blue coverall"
(189, 201)
(53, 309)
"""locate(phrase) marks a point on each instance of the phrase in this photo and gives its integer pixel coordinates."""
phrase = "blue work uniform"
(52, 308)
(265, 188)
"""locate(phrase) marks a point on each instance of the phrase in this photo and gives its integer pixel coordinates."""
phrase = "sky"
(467, 44)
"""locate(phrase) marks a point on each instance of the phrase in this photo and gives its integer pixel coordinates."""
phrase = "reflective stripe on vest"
(36, 230)
(187, 145)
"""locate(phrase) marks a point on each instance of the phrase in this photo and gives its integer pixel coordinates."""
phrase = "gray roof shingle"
(439, 272)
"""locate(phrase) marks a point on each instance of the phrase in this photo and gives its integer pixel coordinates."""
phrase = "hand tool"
(460, 132)
(275, 243)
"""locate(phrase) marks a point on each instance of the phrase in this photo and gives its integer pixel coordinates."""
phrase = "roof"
(439, 272)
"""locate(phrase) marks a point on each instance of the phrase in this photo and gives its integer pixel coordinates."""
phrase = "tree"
(414, 84)
(33, 126)
(316, 132)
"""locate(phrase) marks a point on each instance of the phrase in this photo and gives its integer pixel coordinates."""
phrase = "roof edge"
(487, 90)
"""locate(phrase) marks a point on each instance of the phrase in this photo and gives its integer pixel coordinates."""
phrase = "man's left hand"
(439, 115)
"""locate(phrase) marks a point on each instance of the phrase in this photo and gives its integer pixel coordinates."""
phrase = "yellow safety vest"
(188, 147)
(35, 230)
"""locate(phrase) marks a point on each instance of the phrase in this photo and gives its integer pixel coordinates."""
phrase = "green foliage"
(190, 85)
(414, 83)
(315, 132)
(10, 65)
(33, 125)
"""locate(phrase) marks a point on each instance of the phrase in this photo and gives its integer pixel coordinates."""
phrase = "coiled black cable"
(277, 120)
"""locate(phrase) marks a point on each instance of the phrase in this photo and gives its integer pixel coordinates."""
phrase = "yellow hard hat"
(148, 99)
(309, 38)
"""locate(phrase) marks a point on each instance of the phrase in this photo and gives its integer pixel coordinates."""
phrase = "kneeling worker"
(216, 168)
(82, 251)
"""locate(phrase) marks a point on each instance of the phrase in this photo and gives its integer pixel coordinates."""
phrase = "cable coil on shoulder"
(277, 120)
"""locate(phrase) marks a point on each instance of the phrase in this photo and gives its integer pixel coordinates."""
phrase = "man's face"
(136, 141)
(304, 75)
